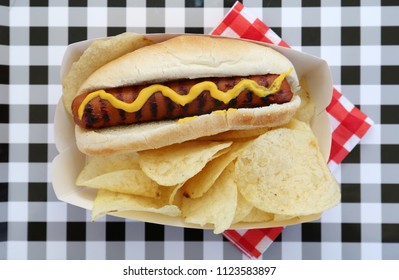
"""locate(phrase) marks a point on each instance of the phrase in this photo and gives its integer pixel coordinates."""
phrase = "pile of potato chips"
(264, 177)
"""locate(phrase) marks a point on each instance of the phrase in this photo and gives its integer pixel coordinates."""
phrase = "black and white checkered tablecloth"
(359, 40)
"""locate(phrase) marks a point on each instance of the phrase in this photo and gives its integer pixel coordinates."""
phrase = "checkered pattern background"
(359, 40)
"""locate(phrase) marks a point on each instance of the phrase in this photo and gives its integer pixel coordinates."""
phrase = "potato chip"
(172, 194)
(107, 202)
(217, 206)
(175, 164)
(283, 172)
(298, 125)
(97, 166)
(280, 217)
(199, 184)
(307, 109)
(119, 173)
(129, 181)
(257, 216)
(243, 208)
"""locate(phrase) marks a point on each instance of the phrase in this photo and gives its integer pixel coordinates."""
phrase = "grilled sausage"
(100, 113)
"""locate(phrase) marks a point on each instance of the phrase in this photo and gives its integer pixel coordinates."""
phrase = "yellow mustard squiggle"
(194, 92)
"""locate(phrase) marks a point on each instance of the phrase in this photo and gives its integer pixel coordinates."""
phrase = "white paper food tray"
(67, 165)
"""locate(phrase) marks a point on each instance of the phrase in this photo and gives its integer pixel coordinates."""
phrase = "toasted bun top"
(190, 56)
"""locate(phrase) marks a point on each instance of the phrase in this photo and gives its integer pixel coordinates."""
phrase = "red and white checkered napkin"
(349, 124)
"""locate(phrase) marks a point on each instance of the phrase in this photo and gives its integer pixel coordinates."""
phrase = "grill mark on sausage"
(104, 111)
(138, 115)
(219, 84)
(153, 105)
(169, 105)
(90, 117)
(266, 100)
(217, 103)
(233, 103)
(249, 98)
(201, 103)
(122, 113)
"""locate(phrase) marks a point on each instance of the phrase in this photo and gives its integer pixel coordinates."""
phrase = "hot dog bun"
(186, 57)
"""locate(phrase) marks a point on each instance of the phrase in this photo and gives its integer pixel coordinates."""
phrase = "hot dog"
(133, 102)
(99, 113)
